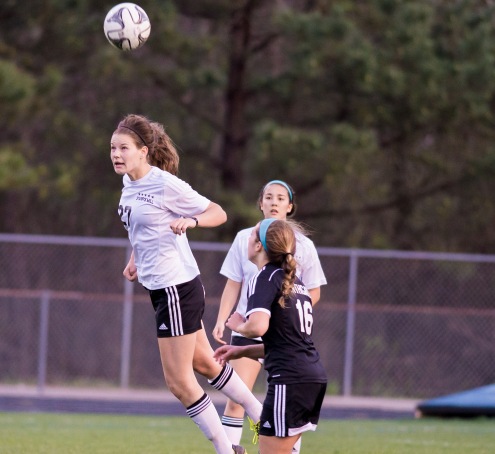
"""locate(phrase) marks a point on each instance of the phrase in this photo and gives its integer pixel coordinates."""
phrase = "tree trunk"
(235, 127)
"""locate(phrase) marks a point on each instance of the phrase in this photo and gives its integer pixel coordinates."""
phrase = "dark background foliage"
(379, 113)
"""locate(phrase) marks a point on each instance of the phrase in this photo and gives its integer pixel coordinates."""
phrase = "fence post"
(350, 325)
(125, 354)
(43, 339)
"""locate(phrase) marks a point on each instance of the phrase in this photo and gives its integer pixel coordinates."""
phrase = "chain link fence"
(389, 323)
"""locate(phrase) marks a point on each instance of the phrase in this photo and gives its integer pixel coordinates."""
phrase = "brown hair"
(280, 248)
(161, 150)
(291, 194)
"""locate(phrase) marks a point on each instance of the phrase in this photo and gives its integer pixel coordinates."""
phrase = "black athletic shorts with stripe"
(179, 308)
(291, 409)
(243, 341)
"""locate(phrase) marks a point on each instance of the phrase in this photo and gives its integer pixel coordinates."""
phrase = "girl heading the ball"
(157, 208)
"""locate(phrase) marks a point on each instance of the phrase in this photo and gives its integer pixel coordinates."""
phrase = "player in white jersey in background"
(276, 201)
(280, 310)
(157, 208)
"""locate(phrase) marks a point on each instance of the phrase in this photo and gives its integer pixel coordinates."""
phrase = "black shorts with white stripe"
(179, 308)
(291, 409)
(243, 341)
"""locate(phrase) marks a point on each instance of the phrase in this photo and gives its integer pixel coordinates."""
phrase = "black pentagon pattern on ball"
(119, 40)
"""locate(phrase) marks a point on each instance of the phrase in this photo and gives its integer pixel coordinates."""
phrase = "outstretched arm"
(225, 353)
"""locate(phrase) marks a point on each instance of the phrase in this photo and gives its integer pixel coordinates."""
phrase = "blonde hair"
(161, 150)
(280, 246)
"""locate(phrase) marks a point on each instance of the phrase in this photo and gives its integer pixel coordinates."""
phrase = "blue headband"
(282, 183)
(264, 224)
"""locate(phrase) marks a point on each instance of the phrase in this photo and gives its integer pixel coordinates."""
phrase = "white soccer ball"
(127, 26)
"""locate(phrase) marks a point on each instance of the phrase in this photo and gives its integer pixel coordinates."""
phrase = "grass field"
(55, 433)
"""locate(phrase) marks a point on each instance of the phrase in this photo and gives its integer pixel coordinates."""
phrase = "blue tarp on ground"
(472, 403)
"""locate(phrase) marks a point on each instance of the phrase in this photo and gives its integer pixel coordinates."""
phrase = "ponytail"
(279, 241)
(151, 134)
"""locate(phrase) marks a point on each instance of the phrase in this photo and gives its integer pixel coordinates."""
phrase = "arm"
(255, 326)
(213, 216)
(225, 353)
(311, 271)
(314, 293)
(227, 302)
(130, 271)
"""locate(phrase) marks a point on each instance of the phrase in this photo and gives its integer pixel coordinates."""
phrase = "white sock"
(205, 415)
(297, 446)
(229, 383)
(233, 428)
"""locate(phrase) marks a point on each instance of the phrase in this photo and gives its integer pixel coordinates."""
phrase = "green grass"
(55, 433)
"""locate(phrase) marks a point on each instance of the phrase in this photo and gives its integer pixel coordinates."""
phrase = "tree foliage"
(379, 113)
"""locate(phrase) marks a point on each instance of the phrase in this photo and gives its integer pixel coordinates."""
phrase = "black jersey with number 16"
(290, 355)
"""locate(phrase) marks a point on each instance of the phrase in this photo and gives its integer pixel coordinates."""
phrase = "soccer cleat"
(238, 449)
(255, 427)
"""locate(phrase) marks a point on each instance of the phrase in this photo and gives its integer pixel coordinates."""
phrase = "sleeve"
(262, 293)
(180, 198)
(232, 265)
(311, 272)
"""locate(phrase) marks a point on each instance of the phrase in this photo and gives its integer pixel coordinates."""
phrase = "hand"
(180, 225)
(225, 353)
(234, 321)
(218, 333)
(130, 271)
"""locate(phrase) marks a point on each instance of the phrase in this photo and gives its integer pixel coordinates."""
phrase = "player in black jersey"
(281, 312)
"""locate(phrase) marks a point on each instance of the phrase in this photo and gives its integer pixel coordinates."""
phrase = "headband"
(264, 224)
(282, 183)
(135, 132)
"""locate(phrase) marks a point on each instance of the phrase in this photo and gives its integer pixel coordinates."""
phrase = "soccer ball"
(127, 26)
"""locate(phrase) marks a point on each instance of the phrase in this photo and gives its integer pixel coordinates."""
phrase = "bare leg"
(221, 379)
(177, 354)
(277, 445)
(203, 361)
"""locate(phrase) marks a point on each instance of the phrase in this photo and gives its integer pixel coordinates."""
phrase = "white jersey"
(147, 207)
(239, 268)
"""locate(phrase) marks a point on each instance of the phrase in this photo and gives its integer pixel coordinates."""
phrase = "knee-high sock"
(233, 428)
(205, 415)
(229, 383)
(297, 446)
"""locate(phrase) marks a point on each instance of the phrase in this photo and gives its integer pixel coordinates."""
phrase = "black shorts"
(179, 308)
(291, 409)
(243, 341)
